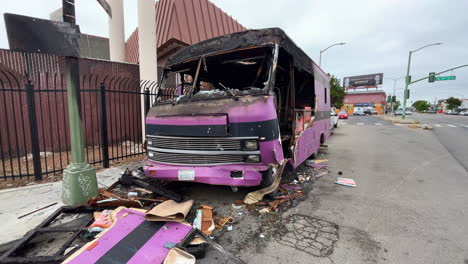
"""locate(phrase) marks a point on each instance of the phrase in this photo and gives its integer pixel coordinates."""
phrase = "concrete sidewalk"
(20, 201)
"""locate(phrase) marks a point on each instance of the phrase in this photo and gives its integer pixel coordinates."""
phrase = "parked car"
(408, 113)
(373, 111)
(398, 112)
(359, 113)
(451, 112)
(366, 112)
(342, 115)
(333, 119)
(431, 111)
(465, 113)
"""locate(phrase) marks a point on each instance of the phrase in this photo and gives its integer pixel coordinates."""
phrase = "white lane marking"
(437, 125)
(397, 124)
(465, 125)
(360, 124)
(378, 124)
(451, 125)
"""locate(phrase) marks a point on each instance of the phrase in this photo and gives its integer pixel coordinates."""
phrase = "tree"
(453, 103)
(337, 93)
(421, 105)
(396, 105)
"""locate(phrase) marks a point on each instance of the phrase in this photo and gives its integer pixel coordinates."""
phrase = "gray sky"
(378, 33)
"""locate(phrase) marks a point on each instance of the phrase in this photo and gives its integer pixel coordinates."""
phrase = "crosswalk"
(390, 124)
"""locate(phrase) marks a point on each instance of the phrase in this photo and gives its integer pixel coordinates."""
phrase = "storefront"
(362, 100)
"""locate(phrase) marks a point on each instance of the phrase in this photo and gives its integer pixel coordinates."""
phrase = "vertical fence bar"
(34, 131)
(147, 102)
(103, 123)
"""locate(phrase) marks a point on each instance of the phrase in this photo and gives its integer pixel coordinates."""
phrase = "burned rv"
(235, 109)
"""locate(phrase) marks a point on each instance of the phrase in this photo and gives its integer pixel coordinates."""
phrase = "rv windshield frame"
(269, 59)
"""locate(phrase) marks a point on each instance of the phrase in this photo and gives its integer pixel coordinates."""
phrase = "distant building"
(361, 100)
(179, 23)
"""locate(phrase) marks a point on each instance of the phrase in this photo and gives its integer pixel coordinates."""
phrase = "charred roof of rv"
(244, 39)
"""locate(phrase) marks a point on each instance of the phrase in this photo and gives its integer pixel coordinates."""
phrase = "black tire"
(267, 180)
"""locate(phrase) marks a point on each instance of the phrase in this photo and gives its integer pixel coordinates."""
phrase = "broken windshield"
(222, 75)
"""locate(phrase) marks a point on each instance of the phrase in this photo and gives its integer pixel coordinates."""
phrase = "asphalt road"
(452, 133)
(410, 204)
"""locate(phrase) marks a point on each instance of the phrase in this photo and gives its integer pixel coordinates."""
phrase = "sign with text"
(445, 78)
(363, 81)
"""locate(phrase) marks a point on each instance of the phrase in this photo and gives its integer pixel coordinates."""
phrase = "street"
(409, 205)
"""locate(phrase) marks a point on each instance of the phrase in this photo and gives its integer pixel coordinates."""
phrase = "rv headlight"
(150, 142)
(253, 158)
(251, 144)
(150, 154)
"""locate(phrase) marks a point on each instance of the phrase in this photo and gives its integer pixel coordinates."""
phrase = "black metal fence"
(34, 131)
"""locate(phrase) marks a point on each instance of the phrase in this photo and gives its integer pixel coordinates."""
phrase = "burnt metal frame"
(8, 256)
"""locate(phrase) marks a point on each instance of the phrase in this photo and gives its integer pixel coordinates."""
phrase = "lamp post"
(407, 80)
(394, 90)
(322, 51)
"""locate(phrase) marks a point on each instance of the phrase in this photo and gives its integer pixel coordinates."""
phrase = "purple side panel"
(109, 239)
(188, 120)
(258, 111)
(271, 151)
(309, 141)
(154, 251)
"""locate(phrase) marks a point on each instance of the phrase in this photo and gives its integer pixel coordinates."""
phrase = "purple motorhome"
(234, 109)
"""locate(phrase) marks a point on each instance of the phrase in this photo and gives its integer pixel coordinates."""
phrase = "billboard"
(371, 80)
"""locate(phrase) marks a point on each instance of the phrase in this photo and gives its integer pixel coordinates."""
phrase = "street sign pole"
(79, 178)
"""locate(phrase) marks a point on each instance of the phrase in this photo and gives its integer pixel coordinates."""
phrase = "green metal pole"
(79, 178)
(407, 83)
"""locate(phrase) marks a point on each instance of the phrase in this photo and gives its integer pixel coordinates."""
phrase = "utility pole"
(79, 178)
(408, 77)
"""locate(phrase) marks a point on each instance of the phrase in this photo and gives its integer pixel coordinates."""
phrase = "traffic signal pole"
(79, 178)
(407, 83)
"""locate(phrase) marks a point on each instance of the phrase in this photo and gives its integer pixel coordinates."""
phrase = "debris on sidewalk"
(346, 182)
(178, 256)
(224, 221)
(169, 211)
(317, 163)
(37, 210)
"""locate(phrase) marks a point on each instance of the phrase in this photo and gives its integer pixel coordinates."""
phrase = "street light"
(394, 89)
(322, 51)
(407, 80)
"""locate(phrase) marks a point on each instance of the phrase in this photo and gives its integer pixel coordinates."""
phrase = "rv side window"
(325, 94)
(305, 89)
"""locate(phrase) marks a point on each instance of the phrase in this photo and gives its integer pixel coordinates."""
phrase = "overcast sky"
(378, 33)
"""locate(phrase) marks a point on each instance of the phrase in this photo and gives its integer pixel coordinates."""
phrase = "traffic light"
(394, 99)
(431, 77)
(389, 99)
(408, 79)
(407, 93)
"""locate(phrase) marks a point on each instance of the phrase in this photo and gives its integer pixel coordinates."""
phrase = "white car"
(464, 113)
(333, 120)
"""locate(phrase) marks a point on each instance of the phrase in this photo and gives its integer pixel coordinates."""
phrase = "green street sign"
(445, 78)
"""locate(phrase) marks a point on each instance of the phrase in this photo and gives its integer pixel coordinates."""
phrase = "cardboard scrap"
(346, 182)
(178, 256)
(170, 211)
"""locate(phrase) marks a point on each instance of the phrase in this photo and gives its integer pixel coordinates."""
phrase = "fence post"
(104, 135)
(147, 101)
(34, 134)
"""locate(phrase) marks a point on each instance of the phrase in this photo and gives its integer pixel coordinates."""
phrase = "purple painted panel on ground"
(109, 239)
(154, 251)
(192, 120)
